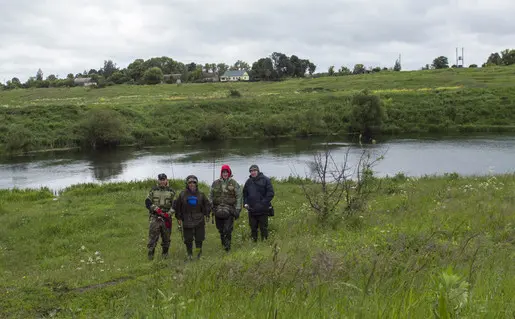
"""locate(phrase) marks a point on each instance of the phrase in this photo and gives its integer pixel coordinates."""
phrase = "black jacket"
(191, 208)
(258, 193)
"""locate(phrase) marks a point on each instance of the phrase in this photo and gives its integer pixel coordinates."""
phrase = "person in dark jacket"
(258, 193)
(192, 209)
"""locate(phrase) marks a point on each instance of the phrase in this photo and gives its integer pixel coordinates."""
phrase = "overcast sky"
(62, 37)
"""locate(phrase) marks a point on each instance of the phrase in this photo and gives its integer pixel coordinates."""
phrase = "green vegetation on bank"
(420, 247)
(449, 100)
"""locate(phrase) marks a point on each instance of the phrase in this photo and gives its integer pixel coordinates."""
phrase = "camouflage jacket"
(161, 197)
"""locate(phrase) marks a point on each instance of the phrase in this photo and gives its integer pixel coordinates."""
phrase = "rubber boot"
(150, 254)
(165, 252)
(189, 249)
(199, 252)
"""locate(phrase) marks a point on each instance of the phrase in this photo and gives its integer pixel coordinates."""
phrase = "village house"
(169, 78)
(236, 75)
(210, 77)
(83, 82)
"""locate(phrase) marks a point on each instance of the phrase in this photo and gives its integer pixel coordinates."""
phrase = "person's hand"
(246, 206)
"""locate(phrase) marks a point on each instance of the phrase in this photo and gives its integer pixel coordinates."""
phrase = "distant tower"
(459, 58)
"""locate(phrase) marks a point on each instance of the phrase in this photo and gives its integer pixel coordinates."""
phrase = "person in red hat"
(225, 197)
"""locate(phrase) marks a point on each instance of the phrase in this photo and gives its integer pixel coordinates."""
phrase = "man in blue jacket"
(258, 193)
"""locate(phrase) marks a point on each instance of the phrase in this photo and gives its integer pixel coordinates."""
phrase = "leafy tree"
(440, 62)
(16, 83)
(508, 57)
(153, 75)
(367, 113)
(359, 69)
(240, 65)
(264, 69)
(311, 68)
(118, 78)
(102, 128)
(397, 66)
(191, 67)
(494, 59)
(282, 64)
(136, 69)
(330, 71)
(344, 70)
(39, 75)
(108, 69)
(222, 68)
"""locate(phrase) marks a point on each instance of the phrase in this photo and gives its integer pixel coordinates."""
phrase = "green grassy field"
(442, 244)
(453, 100)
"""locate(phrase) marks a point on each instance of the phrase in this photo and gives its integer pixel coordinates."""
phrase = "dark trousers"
(198, 234)
(261, 222)
(225, 227)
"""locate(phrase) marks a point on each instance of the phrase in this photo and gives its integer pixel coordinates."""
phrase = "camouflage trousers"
(157, 228)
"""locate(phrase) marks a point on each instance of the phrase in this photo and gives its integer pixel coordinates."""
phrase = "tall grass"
(422, 247)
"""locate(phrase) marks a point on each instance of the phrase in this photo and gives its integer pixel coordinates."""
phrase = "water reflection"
(108, 165)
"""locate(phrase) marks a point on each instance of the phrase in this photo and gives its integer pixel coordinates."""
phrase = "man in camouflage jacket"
(159, 204)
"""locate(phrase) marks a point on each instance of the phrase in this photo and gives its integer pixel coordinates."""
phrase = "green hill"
(451, 100)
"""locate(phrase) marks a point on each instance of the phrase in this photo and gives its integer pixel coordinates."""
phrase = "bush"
(18, 138)
(367, 113)
(102, 128)
(213, 128)
(234, 93)
(153, 76)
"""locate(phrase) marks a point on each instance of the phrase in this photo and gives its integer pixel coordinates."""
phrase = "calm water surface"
(477, 155)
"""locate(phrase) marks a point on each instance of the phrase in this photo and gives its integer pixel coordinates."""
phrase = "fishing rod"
(212, 217)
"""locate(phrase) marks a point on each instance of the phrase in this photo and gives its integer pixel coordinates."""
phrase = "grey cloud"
(67, 37)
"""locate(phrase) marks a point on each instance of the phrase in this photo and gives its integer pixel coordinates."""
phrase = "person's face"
(163, 182)
(253, 172)
(225, 174)
(192, 185)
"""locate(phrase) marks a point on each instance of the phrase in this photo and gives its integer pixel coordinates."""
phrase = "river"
(471, 155)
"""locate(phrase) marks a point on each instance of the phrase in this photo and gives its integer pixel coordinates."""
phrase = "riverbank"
(439, 101)
(83, 254)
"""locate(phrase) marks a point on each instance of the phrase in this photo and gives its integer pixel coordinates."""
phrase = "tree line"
(156, 70)
(504, 57)
(278, 66)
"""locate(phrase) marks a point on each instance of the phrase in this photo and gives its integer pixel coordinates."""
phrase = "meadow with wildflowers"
(425, 247)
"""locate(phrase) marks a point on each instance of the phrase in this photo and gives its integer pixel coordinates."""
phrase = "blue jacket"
(258, 193)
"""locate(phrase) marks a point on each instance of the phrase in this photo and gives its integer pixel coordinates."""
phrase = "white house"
(236, 75)
(83, 82)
